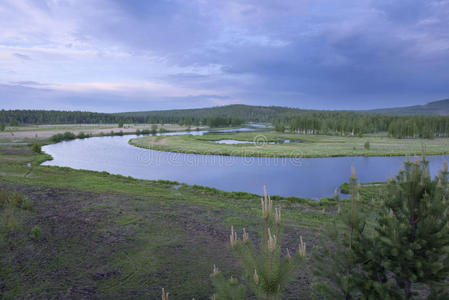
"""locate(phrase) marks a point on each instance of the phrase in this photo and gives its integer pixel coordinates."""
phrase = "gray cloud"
(21, 96)
(312, 54)
(22, 56)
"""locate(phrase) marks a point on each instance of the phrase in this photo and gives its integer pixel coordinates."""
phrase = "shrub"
(12, 200)
(36, 148)
(56, 138)
(366, 145)
(82, 135)
(36, 232)
(66, 136)
(12, 223)
(69, 136)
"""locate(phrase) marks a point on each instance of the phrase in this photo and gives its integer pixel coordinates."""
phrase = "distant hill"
(436, 108)
(269, 113)
(232, 113)
(239, 111)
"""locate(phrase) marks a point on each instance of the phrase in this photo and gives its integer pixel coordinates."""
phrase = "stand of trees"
(293, 120)
(358, 124)
(20, 117)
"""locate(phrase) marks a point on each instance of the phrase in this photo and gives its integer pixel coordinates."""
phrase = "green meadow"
(92, 234)
(272, 144)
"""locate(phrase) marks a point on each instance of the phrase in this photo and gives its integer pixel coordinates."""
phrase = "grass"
(300, 145)
(42, 133)
(96, 235)
(87, 127)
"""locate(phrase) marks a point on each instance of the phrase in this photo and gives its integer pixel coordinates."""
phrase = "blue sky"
(127, 55)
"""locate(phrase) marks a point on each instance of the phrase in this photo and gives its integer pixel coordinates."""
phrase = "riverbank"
(93, 234)
(274, 144)
(44, 132)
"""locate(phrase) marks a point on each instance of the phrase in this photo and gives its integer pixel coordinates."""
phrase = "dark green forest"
(29, 117)
(358, 124)
(284, 119)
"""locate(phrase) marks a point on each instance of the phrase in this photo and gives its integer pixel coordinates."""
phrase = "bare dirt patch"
(85, 233)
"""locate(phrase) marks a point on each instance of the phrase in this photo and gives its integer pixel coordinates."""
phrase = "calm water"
(237, 142)
(233, 142)
(308, 177)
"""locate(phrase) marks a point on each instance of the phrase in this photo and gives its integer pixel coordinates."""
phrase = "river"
(301, 177)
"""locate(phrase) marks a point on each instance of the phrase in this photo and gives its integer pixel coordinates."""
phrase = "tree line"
(359, 124)
(284, 118)
(28, 117)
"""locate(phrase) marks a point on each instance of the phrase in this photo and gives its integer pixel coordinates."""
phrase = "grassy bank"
(96, 235)
(28, 133)
(271, 144)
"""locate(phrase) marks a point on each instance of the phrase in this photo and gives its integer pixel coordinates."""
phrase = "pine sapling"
(336, 262)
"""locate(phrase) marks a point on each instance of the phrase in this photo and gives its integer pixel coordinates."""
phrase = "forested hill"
(244, 112)
(436, 108)
(270, 113)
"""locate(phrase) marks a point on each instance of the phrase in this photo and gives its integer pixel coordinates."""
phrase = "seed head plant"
(268, 268)
(164, 295)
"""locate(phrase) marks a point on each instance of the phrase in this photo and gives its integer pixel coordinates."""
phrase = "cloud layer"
(106, 55)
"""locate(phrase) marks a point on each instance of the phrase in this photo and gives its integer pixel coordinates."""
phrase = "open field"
(42, 132)
(109, 236)
(299, 145)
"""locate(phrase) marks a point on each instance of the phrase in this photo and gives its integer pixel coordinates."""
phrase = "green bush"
(82, 135)
(66, 136)
(69, 136)
(36, 232)
(10, 199)
(367, 145)
(36, 148)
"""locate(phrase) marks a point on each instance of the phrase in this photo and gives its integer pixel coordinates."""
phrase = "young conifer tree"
(404, 254)
(412, 233)
(336, 263)
(267, 269)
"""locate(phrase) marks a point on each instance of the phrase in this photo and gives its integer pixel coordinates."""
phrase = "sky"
(131, 55)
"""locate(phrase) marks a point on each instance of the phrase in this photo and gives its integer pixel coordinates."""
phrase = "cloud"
(22, 56)
(314, 54)
(101, 98)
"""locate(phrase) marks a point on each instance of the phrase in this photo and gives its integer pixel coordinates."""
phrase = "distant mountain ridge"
(268, 113)
(240, 111)
(435, 108)
(233, 113)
